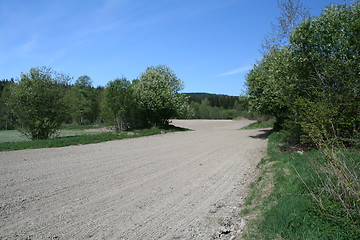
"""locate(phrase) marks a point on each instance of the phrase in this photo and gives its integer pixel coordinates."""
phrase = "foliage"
(271, 84)
(157, 92)
(119, 103)
(203, 110)
(83, 82)
(38, 102)
(312, 87)
(328, 62)
(313, 84)
(215, 106)
(215, 100)
(7, 119)
(43, 99)
(83, 101)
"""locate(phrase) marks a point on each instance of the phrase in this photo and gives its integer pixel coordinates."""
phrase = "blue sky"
(209, 44)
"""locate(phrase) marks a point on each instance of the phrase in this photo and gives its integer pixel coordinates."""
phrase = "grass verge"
(85, 139)
(80, 127)
(289, 200)
(260, 124)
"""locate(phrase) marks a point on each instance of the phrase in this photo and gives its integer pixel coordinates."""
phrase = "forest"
(219, 106)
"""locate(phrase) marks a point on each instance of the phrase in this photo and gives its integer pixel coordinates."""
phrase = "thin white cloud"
(235, 71)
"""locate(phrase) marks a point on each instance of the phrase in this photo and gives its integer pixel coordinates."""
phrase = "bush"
(38, 103)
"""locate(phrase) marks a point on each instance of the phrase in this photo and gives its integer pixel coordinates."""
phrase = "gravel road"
(183, 185)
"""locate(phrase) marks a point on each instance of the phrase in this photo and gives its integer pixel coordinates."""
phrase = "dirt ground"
(183, 185)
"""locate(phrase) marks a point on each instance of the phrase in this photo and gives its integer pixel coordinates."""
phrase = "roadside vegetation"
(304, 195)
(45, 105)
(13, 140)
(308, 79)
(260, 124)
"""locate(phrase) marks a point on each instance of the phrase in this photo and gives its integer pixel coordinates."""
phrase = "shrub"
(37, 101)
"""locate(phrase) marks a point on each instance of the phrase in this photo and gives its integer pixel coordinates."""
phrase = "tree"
(292, 13)
(7, 120)
(271, 84)
(38, 103)
(313, 84)
(118, 103)
(327, 54)
(83, 99)
(157, 92)
(83, 82)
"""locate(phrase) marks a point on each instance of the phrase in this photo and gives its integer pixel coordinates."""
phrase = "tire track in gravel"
(158, 187)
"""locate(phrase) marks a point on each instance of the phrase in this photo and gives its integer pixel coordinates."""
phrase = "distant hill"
(215, 100)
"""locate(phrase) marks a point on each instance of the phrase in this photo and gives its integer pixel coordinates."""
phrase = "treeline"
(214, 100)
(312, 84)
(216, 106)
(43, 99)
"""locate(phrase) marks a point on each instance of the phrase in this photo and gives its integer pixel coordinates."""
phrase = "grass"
(16, 136)
(80, 127)
(83, 139)
(260, 124)
(12, 136)
(282, 198)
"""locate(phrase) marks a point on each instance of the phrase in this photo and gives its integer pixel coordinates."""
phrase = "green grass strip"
(80, 127)
(84, 139)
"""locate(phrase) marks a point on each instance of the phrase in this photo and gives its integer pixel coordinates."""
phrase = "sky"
(209, 44)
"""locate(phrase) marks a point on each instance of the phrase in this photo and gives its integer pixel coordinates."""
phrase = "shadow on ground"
(263, 135)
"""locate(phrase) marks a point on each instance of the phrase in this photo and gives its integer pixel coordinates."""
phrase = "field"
(75, 135)
(16, 136)
(181, 185)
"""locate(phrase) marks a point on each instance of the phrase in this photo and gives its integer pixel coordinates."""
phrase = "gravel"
(181, 185)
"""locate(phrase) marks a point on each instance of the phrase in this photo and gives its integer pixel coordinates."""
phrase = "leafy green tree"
(80, 104)
(271, 84)
(83, 101)
(7, 119)
(38, 103)
(83, 82)
(327, 54)
(313, 84)
(119, 103)
(157, 92)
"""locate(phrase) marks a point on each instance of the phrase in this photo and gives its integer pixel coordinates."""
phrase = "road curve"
(168, 186)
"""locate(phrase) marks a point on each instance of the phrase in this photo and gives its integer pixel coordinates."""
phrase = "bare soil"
(183, 185)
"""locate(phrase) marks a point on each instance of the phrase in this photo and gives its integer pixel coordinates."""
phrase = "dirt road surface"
(183, 185)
